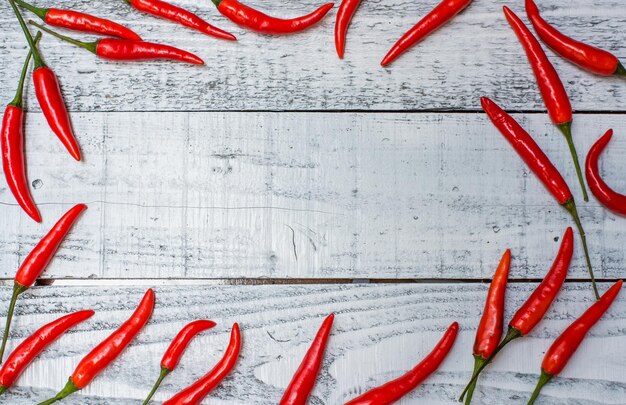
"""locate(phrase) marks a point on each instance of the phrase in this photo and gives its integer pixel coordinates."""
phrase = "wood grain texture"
(307, 195)
(379, 332)
(476, 54)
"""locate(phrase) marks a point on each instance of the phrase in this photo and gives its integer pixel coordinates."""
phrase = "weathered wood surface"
(307, 195)
(380, 331)
(477, 54)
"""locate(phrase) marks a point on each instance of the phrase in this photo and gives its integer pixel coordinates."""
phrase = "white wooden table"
(269, 186)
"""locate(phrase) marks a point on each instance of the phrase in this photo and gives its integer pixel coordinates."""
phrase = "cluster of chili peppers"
(588, 57)
(113, 346)
(121, 43)
(488, 344)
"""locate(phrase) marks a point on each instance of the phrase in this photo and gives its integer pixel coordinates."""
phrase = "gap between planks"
(343, 111)
(275, 281)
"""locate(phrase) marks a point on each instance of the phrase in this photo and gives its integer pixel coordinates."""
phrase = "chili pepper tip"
(608, 197)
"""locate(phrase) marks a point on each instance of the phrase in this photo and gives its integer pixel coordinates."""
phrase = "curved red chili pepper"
(564, 347)
(176, 349)
(196, 392)
(39, 258)
(77, 21)
(529, 151)
(491, 323)
(49, 94)
(120, 49)
(13, 160)
(255, 20)
(536, 306)
(548, 80)
(108, 350)
(37, 261)
(187, 18)
(12, 140)
(541, 165)
(53, 108)
(301, 385)
(396, 389)
(33, 345)
(123, 49)
(444, 12)
(344, 16)
(605, 194)
(551, 87)
(586, 56)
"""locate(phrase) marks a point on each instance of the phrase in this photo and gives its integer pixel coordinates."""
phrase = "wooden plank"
(380, 331)
(306, 195)
(475, 55)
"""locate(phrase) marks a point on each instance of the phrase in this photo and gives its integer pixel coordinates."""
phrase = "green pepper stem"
(17, 290)
(478, 362)
(3, 389)
(164, 373)
(69, 388)
(33, 47)
(543, 380)
(567, 131)
(511, 335)
(216, 2)
(570, 206)
(17, 100)
(621, 70)
(90, 46)
(39, 12)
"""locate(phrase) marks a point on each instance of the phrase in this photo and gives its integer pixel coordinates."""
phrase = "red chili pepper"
(53, 107)
(586, 56)
(551, 87)
(605, 194)
(491, 324)
(302, 383)
(49, 94)
(564, 347)
(444, 12)
(541, 165)
(32, 346)
(196, 392)
(75, 20)
(12, 139)
(37, 261)
(176, 349)
(187, 18)
(536, 306)
(344, 16)
(255, 20)
(396, 389)
(108, 350)
(123, 49)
